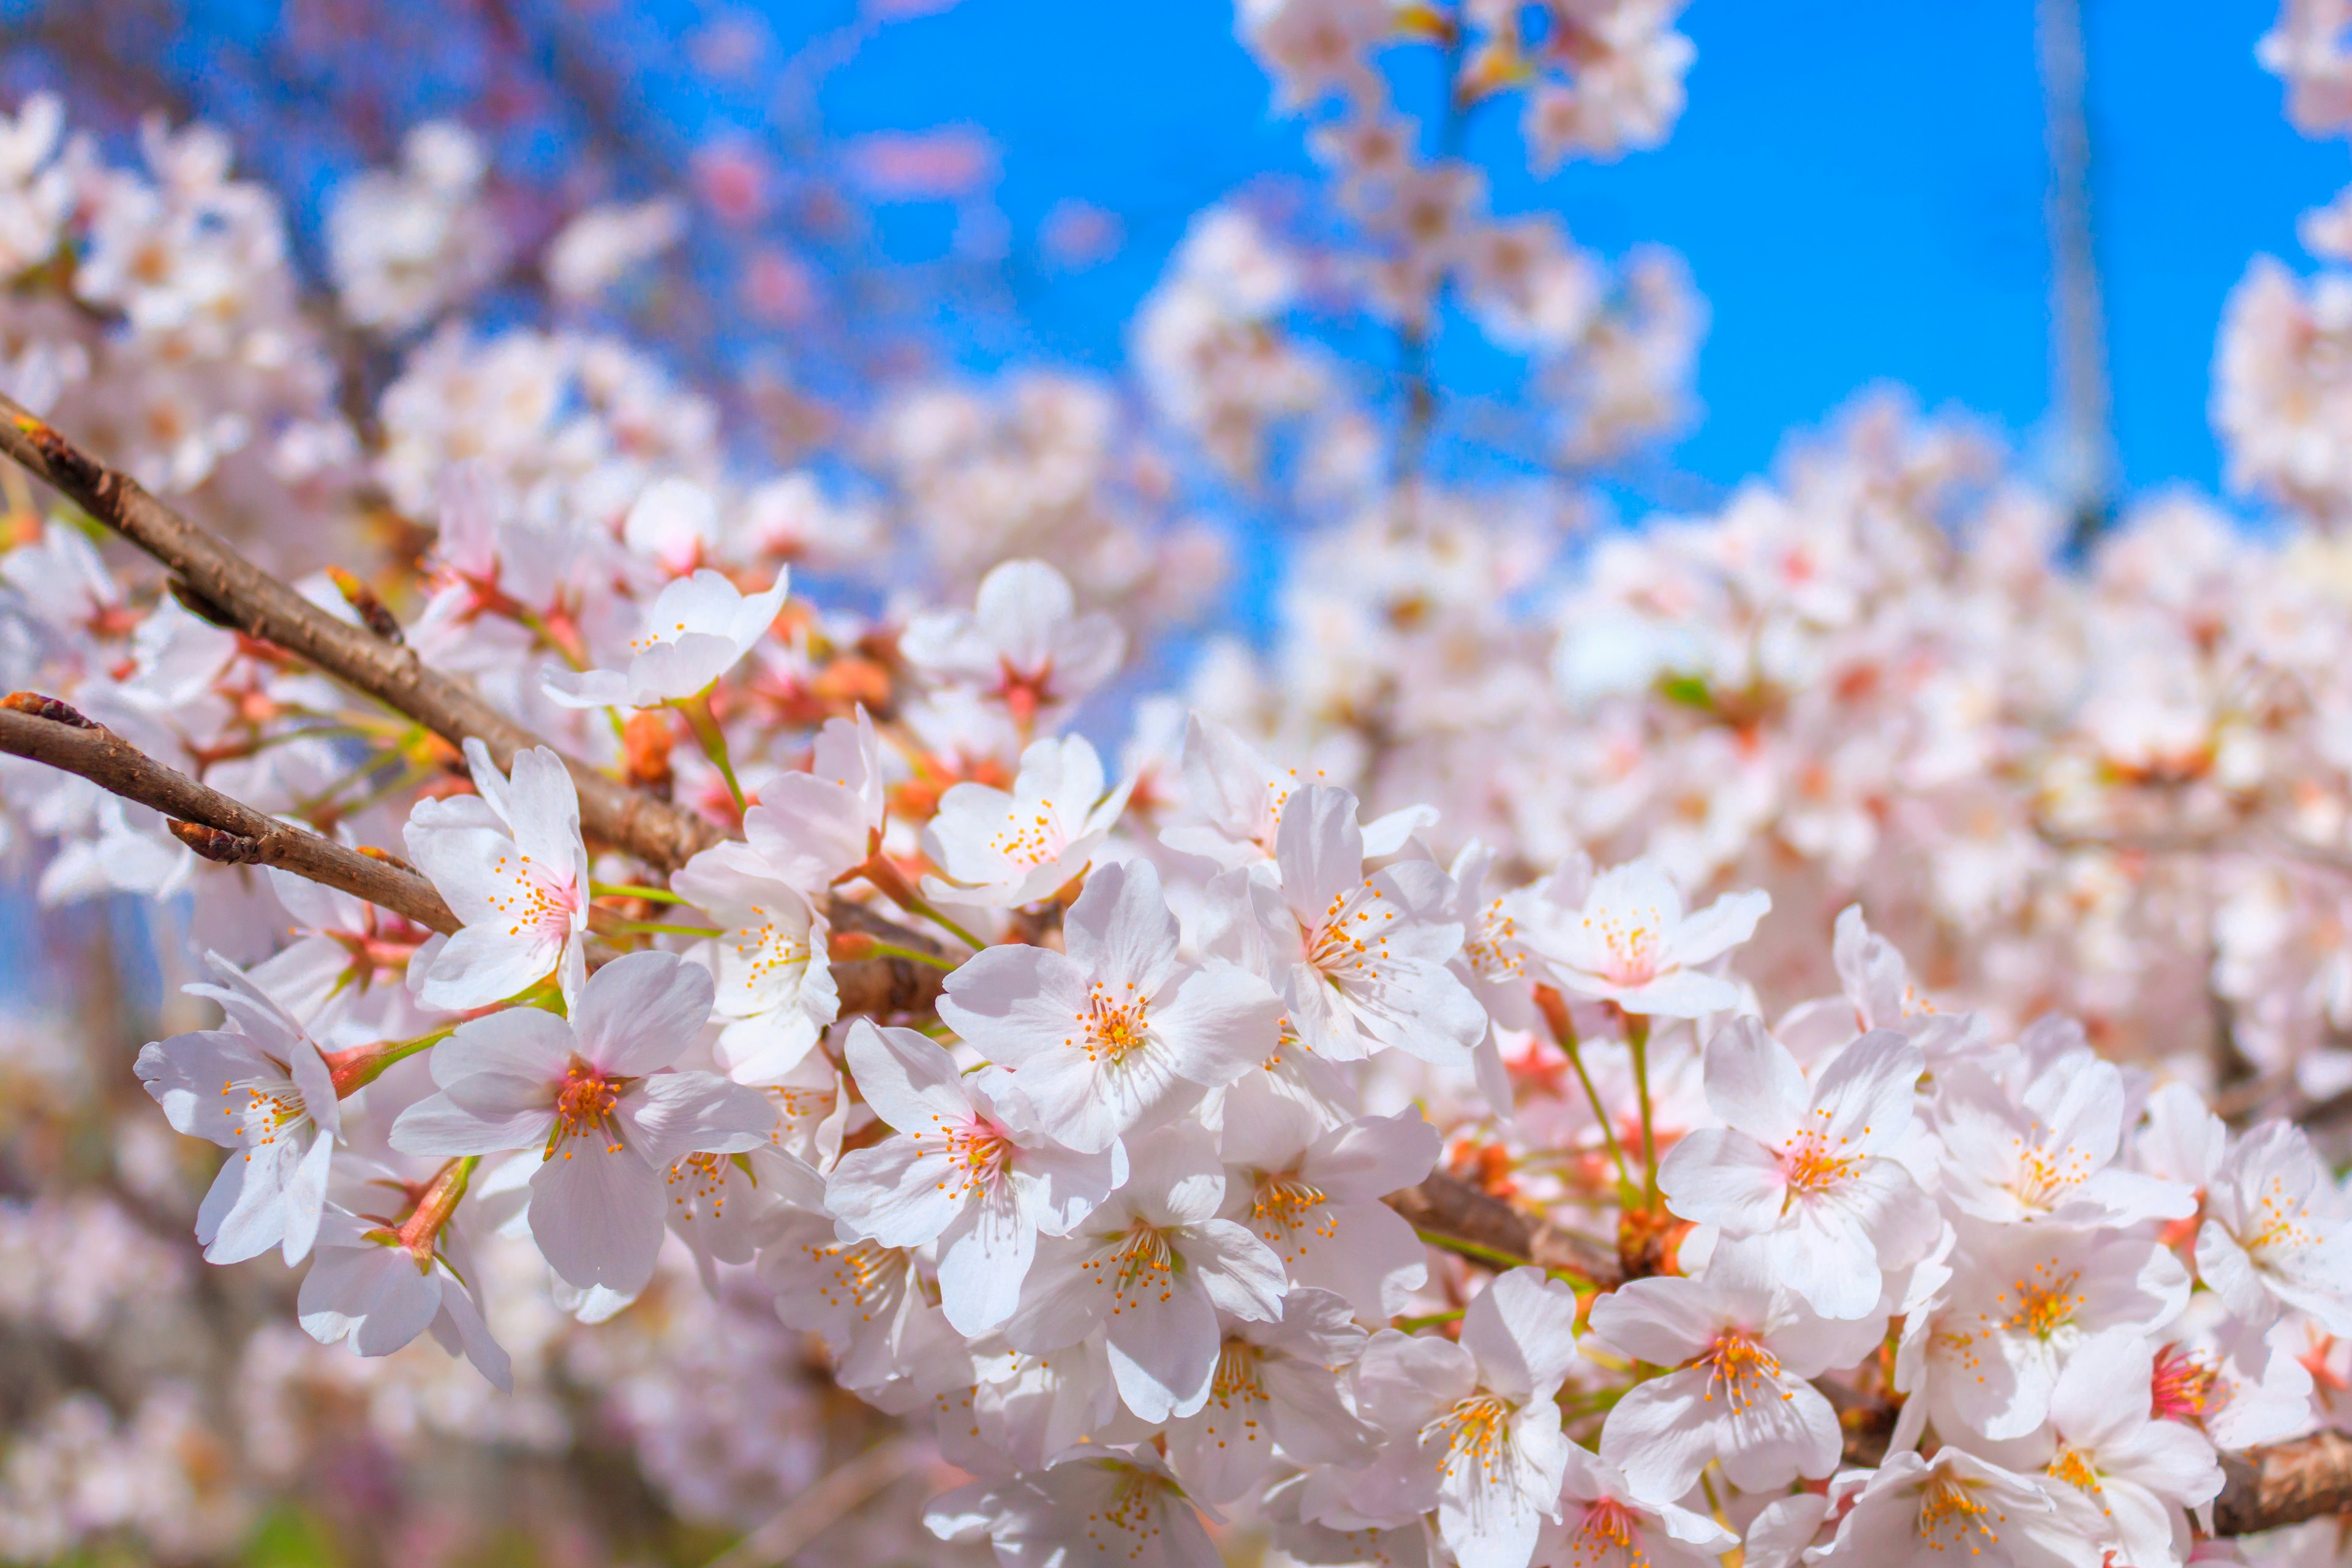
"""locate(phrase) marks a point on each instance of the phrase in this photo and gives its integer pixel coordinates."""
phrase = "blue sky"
(1857, 188)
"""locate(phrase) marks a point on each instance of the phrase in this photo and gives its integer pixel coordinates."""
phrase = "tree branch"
(212, 571)
(2284, 1484)
(209, 568)
(1444, 1206)
(208, 822)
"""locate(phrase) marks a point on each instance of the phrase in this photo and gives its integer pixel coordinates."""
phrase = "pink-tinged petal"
(1664, 1321)
(902, 1191)
(1016, 1002)
(1365, 1252)
(375, 1292)
(1242, 1276)
(1868, 1089)
(1717, 1176)
(1681, 993)
(907, 1078)
(545, 813)
(1174, 1177)
(596, 1215)
(1783, 1433)
(1319, 850)
(1522, 1330)
(528, 1043)
(984, 1255)
(672, 1114)
(462, 1316)
(1659, 1434)
(1217, 1022)
(1121, 930)
(1717, 929)
(436, 1127)
(483, 964)
(680, 667)
(1373, 1156)
(306, 1196)
(186, 1074)
(639, 1012)
(2102, 1395)
(1163, 1349)
(1754, 1084)
(585, 688)
(1403, 1381)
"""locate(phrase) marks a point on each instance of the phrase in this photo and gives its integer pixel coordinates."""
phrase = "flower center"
(2045, 1177)
(767, 949)
(698, 1184)
(1030, 840)
(1632, 948)
(2045, 1301)
(1116, 1028)
(2185, 1389)
(1813, 1161)
(859, 1274)
(1240, 1373)
(1284, 1205)
(536, 906)
(269, 1110)
(2278, 1222)
(1609, 1527)
(1475, 1433)
(1740, 1370)
(1140, 1264)
(1949, 1511)
(1347, 944)
(584, 1099)
(2075, 1469)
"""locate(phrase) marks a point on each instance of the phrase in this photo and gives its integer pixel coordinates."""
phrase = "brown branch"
(2284, 1484)
(208, 822)
(209, 568)
(1445, 1205)
(211, 571)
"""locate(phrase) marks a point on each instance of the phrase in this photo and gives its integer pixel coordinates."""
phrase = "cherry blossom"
(2271, 1238)
(695, 631)
(1116, 1034)
(596, 1096)
(1743, 1346)
(1632, 944)
(1023, 645)
(510, 862)
(1361, 960)
(1153, 1267)
(1817, 1171)
(276, 1108)
(957, 1176)
(998, 848)
(1473, 1427)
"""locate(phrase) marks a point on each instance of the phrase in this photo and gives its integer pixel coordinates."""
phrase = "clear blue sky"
(1857, 187)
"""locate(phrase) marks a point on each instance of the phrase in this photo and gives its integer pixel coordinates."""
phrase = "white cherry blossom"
(1924, 1513)
(1153, 1267)
(1313, 1196)
(2273, 1238)
(1089, 1504)
(1817, 1171)
(1001, 849)
(1361, 961)
(511, 863)
(775, 988)
(1604, 1523)
(956, 1176)
(695, 630)
(1472, 1426)
(1742, 1346)
(1118, 1033)
(275, 1108)
(1278, 1387)
(1024, 644)
(596, 1095)
(1634, 944)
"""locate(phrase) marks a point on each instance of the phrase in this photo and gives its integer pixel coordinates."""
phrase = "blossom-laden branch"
(208, 822)
(209, 570)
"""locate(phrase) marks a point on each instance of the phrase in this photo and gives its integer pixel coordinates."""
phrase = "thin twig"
(210, 823)
(208, 568)
(815, 1510)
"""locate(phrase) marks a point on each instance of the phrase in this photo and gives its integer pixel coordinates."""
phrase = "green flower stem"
(713, 741)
